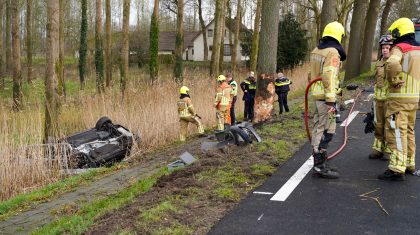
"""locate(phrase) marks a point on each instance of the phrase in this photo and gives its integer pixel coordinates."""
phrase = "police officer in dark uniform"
(282, 89)
(249, 87)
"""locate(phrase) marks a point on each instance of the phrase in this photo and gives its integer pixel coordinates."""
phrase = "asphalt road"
(322, 206)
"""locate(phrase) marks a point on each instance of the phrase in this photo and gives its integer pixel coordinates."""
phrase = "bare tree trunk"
(61, 87)
(355, 44)
(223, 35)
(83, 44)
(217, 38)
(2, 5)
(125, 45)
(9, 62)
(52, 103)
(234, 50)
(29, 39)
(108, 60)
(179, 43)
(371, 19)
(384, 19)
(328, 13)
(267, 60)
(99, 54)
(17, 71)
(256, 37)
(203, 30)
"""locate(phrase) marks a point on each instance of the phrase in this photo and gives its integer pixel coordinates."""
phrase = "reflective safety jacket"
(282, 85)
(223, 96)
(403, 67)
(325, 64)
(250, 87)
(234, 86)
(185, 108)
(381, 84)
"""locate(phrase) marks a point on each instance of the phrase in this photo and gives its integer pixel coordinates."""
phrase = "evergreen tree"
(292, 43)
(83, 44)
(154, 43)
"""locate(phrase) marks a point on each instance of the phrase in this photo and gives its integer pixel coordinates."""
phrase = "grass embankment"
(191, 200)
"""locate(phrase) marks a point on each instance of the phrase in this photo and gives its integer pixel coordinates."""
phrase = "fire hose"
(334, 154)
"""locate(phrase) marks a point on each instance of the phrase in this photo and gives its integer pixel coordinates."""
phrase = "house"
(194, 43)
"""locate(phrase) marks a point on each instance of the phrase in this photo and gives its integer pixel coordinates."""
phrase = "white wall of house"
(199, 46)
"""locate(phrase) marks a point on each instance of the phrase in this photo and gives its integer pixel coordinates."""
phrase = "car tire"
(102, 123)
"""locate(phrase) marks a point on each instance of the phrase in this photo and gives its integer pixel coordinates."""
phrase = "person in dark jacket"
(282, 84)
(249, 87)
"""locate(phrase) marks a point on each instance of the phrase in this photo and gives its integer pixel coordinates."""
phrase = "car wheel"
(102, 123)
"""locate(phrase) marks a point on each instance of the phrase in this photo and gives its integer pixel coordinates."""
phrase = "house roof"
(230, 24)
(167, 40)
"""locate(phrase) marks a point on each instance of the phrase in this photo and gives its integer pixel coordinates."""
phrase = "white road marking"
(264, 193)
(350, 118)
(259, 218)
(349, 101)
(294, 181)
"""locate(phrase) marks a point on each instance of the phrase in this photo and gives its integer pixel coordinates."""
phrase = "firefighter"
(234, 86)
(222, 102)
(187, 114)
(379, 147)
(325, 63)
(282, 84)
(403, 74)
(249, 87)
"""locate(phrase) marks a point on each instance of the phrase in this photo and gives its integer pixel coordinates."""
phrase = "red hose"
(334, 154)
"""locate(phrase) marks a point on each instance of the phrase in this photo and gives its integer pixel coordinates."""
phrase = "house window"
(210, 47)
(226, 50)
(210, 33)
(192, 52)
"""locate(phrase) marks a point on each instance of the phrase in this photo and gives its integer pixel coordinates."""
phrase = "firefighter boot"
(376, 155)
(320, 169)
(391, 176)
(327, 164)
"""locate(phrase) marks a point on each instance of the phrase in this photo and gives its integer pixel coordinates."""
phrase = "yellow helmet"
(221, 78)
(334, 30)
(401, 27)
(184, 90)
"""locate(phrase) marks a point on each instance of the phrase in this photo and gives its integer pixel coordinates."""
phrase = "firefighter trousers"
(379, 142)
(400, 136)
(222, 118)
(184, 121)
(324, 126)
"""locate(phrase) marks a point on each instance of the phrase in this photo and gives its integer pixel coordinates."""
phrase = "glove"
(370, 126)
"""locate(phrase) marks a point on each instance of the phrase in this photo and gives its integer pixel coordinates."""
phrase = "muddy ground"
(193, 199)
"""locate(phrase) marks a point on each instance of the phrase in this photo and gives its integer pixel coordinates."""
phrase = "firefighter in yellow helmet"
(379, 147)
(403, 74)
(187, 113)
(222, 102)
(325, 64)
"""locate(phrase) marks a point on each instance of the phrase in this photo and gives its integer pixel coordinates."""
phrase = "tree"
(267, 54)
(328, 13)
(29, 39)
(125, 45)
(217, 39)
(1, 47)
(255, 37)
(234, 50)
(8, 37)
(179, 43)
(83, 44)
(292, 43)
(61, 90)
(154, 44)
(99, 54)
(203, 30)
(108, 61)
(355, 44)
(223, 36)
(371, 19)
(17, 71)
(52, 103)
